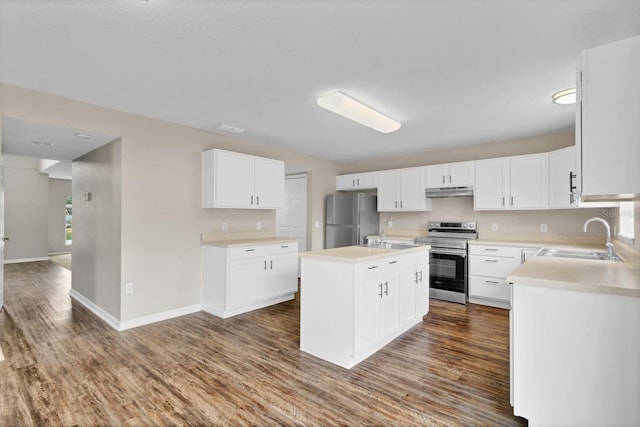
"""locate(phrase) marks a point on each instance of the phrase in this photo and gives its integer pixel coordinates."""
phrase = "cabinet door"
(233, 180)
(435, 176)
(490, 185)
(412, 186)
(528, 182)
(409, 281)
(388, 191)
(367, 180)
(561, 164)
(610, 125)
(247, 281)
(390, 305)
(269, 183)
(283, 275)
(422, 290)
(369, 296)
(460, 174)
(345, 182)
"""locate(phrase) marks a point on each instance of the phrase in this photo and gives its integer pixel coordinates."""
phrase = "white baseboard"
(15, 261)
(133, 323)
(95, 309)
(157, 317)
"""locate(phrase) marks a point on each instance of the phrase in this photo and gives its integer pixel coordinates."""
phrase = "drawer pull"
(372, 267)
(249, 250)
(393, 262)
(491, 249)
(284, 246)
(490, 260)
(491, 282)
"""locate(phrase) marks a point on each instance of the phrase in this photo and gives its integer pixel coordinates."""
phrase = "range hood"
(433, 193)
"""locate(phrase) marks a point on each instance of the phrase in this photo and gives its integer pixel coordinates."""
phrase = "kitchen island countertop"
(249, 242)
(357, 254)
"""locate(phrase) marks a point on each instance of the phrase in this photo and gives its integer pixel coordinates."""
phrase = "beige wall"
(26, 200)
(161, 215)
(59, 191)
(529, 145)
(96, 253)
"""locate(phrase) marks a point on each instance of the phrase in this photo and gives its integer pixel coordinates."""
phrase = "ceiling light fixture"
(567, 96)
(82, 135)
(345, 106)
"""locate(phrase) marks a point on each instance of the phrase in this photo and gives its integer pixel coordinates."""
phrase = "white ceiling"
(454, 72)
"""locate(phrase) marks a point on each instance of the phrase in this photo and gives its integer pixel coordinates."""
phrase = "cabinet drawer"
(283, 248)
(243, 252)
(492, 266)
(484, 287)
(502, 251)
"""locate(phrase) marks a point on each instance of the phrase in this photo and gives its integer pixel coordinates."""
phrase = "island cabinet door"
(247, 281)
(368, 317)
(390, 304)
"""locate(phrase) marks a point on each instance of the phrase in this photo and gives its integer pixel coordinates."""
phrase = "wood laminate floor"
(64, 366)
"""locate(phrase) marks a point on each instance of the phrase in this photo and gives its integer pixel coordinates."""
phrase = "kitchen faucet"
(606, 225)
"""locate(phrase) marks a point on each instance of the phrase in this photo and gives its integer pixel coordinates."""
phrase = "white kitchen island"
(356, 299)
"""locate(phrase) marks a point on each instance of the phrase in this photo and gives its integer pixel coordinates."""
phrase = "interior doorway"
(291, 221)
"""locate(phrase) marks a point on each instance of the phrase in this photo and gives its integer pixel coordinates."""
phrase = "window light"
(345, 106)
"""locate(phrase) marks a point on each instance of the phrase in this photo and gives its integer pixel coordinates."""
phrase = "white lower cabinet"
(240, 279)
(489, 267)
(348, 311)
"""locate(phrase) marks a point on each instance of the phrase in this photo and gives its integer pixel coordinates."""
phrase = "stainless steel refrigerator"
(351, 217)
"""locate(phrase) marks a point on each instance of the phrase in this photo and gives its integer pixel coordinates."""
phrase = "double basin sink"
(578, 254)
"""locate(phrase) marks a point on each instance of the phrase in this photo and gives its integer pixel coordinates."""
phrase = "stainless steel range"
(448, 259)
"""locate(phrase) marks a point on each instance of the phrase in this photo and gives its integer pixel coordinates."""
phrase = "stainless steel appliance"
(350, 217)
(448, 259)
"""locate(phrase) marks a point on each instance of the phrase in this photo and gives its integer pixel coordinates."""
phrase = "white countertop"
(357, 254)
(249, 242)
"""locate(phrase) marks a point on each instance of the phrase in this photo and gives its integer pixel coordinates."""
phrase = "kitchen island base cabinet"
(349, 311)
(241, 279)
(575, 357)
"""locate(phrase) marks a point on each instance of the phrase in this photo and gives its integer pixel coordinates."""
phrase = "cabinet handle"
(571, 187)
(502, 200)
(380, 294)
(252, 200)
(416, 273)
(396, 204)
(420, 276)
(511, 200)
(490, 249)
(443, 179)
(265, 264)
(249, 250)
(257, 200)
(284, 246)
(372, 267)
(271, 265)
(491, 282)
(490, 260)
(358, 181)
(449, 179)
(353, 182)
(400, 204)
(386, 288)
(393, 262)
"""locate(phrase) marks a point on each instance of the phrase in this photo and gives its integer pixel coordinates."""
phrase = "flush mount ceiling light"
(345, 106)
(567, 96)
(82, 135)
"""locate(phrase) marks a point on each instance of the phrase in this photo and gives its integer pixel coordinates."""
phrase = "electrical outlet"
(128, 288)
(494, 227)
(316, 224)
(543, 228)
(258, 225)
(225, 227)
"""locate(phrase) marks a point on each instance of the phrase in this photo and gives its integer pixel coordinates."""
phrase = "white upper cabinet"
(562, 178)
(609, 130)
(450, 175)
(518, 182)
(241, 181)
(357, 181)
(402, 190)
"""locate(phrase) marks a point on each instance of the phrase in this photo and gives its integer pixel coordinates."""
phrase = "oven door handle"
(449, 252)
